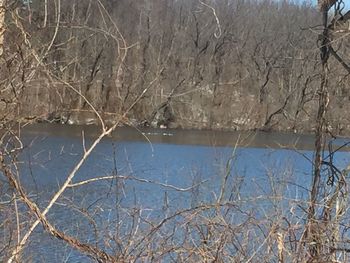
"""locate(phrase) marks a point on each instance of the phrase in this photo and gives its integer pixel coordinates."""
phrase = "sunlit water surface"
(167, 171)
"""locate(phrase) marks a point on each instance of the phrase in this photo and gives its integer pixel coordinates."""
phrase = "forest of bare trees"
(233, 65)
(230, 64)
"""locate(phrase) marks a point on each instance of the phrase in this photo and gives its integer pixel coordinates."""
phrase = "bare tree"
(2, 24)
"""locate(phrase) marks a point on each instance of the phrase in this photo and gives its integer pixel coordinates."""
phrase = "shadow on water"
(188, 137)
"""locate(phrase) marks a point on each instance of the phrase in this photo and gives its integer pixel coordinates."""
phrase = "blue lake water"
(257, 175)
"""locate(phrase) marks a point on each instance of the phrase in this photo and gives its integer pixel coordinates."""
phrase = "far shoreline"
(205, 137)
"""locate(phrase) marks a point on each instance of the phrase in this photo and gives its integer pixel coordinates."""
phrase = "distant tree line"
(193, 64)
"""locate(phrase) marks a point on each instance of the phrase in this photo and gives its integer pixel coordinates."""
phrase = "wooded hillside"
(192, 64)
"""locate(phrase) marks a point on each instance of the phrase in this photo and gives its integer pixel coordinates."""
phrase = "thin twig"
(142, 180)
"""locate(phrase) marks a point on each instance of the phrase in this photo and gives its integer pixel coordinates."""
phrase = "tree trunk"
(2, 25)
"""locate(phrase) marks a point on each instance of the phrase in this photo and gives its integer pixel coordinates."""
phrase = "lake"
(154, 173)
